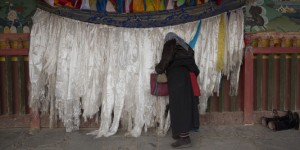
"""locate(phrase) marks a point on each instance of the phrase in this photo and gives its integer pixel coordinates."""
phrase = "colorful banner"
(144, 20)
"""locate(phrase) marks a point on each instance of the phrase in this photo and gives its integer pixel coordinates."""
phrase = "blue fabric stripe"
(101, 5)
(120, 4)
(195, 38)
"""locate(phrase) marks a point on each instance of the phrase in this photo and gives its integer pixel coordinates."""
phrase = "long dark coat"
(178, 63)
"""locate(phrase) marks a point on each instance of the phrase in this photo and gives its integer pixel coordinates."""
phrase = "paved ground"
(254, 137)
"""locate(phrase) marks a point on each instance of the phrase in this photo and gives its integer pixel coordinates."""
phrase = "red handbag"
(158, 89)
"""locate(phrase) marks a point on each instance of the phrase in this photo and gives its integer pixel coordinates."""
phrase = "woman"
(179, 63)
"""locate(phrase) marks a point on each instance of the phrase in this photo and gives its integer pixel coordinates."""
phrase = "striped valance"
(146, 19)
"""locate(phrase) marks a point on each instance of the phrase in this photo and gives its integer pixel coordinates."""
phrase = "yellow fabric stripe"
(14, 58)
(162, 5)
(221, 44)
(26, 58)
(2, 58)
(138, 5)
(152, 5)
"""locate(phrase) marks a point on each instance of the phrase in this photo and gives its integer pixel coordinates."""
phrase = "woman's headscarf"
(179, 41)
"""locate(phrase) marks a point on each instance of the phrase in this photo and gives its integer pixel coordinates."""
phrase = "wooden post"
(248, 87)
(271, 81)
(259, 82)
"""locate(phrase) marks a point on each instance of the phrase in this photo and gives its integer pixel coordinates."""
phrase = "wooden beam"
(276, 50)
(14, 52)
(24, 36)
(248, 88)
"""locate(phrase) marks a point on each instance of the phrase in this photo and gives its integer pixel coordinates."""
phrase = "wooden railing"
(14, 73)
(272, 74)
(224, 102)
(276, 78)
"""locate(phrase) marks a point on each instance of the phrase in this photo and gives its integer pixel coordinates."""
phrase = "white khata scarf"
(105, 70)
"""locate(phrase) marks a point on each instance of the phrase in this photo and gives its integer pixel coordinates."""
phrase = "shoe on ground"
(271, 125)
(182, 143)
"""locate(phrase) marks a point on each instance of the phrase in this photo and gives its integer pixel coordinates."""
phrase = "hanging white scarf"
(79, 65)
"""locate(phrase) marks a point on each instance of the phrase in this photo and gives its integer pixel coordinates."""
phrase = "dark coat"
(178, 63)
(175, 55)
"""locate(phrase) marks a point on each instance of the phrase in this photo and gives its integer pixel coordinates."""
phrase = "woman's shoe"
(182, 143)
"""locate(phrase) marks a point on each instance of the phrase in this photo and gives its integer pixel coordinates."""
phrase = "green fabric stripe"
(21, 84)
(8, 83)
(282, 80)
(271, 80)
(259, 78)
(294, 81)
(209, 105)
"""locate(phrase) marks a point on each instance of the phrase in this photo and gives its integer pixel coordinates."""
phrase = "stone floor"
(238, 137)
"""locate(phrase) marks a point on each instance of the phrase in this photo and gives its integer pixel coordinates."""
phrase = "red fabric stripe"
(195, 85)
